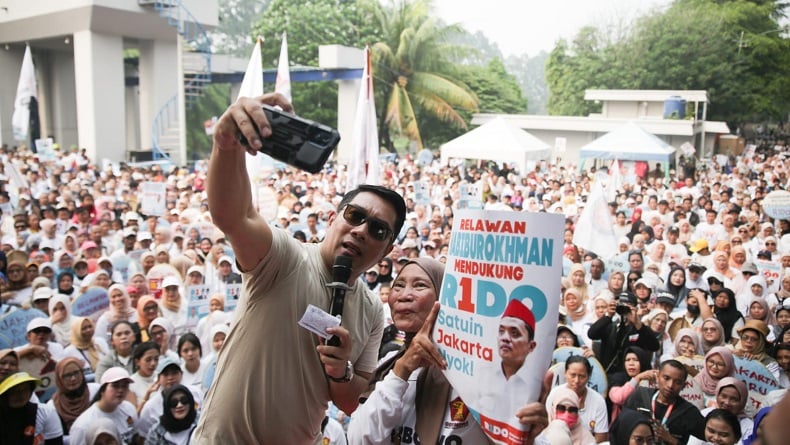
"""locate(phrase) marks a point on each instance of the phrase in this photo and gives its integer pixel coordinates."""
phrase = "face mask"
(570, 419)
(693, 309)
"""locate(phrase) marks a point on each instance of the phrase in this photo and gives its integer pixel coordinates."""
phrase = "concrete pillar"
(62, 104)
(158, 83)
(10, 64)
(337, 56)
(99, 73)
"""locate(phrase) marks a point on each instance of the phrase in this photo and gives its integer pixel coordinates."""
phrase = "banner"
(363, 167)
(594, 229)
(197, 304)
(26, 94)
(421, 194)
(232, 294)
(13, 325)
(45, 149)
(498, 322)
(92, 303)
(153, 198)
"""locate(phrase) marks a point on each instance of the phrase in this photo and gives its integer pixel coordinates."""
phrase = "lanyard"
(666, 414)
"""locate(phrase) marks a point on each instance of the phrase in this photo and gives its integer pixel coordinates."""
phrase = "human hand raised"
(247, 117)
(421, 351)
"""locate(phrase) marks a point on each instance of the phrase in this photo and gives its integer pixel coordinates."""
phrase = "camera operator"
(273, 377)
(619, 329)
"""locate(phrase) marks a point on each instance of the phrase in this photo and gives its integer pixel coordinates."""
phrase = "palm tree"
(412, 69)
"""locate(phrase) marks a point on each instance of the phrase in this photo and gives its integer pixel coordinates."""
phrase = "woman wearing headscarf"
(60, 317)
(565, 407)
(755, 287)
(676, 285)
(102, 431)
(753, 345)
(178, 418)
(726, 311)
(730, 394)
(74, 394)
(711, 334)
(147, 311)
(718, 364)
(19, 290)
(218, 335)
(576, 277)
(629, 428)
(217, 315)
(410, 389)
(162, 333)
(658, 320)
(138, 280)
(65, 284)
(636, 365)
(120, 309)
(686, 346)
(758, 310)
(85, 345)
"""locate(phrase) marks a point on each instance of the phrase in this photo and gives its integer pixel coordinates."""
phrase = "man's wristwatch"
(347, 376)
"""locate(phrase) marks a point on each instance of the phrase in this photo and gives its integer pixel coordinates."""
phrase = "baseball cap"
(697, 266)
(764, 254)
(88, 245)
(714, 276)
(115, 374)
(38, 322)
(627, 297)
(165, 363)
(373, 270)
(665, 298)
(517, 309)
(644, 282)
(129, 231)
(170, 281)
(42, 293)
(749, 267)
(17, 379)
(144, 236)
(699, 244)
(197, 269)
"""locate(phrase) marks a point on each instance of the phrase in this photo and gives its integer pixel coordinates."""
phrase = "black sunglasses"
(570, 409)
(172, 403)
(357, 216)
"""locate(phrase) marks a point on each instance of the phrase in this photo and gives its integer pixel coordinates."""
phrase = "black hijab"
(620, 378)
(170, 423)
(727, 316)
(679, 292)
(624, 425)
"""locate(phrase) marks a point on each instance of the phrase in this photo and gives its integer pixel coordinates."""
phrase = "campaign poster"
(197, 306)
(421, 193)
(499, 310)
(470, 197)
(759, 381)
(153, 198)
(92, 303)
(232, 294)
(13, 325)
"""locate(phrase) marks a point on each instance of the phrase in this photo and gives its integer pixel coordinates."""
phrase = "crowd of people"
(700, 282)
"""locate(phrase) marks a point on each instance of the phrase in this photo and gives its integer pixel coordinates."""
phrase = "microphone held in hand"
(341, 272)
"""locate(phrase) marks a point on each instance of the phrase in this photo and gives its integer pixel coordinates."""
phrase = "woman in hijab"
(147, 311)
(66, 284)
(74, 394)
(687, 345)
(217, 315)
(676, 285)
(758, 310)
(60, 317)
(658, 320)
(178, 418)
(138, 280)
(718, 364)
(726, 311)
(636, 363)
(85, 345)
(576, 279)
(25, 421)
(711, 334)
(161, 331)
(565, 407)
(218, 335)
(120, 309)
(103, 431)
(752, 345)
(732, 395)
(410, 388)
(122, 339)
(385, 271)
(630, 428)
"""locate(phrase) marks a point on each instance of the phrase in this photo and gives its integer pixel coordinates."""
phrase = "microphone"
(341, 272)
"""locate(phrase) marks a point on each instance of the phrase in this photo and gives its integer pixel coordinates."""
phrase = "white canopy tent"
(497, 140)
(628, 143)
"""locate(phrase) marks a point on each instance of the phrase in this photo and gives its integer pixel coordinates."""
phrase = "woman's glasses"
(356, 216)
(175, 401)
(568, 409)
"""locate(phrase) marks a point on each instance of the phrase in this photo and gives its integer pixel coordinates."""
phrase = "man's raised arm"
(228, 186)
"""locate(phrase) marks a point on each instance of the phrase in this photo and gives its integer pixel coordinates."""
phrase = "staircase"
(196, 62)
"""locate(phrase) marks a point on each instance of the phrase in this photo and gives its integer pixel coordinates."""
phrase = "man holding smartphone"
(274, 378)
(673, 418)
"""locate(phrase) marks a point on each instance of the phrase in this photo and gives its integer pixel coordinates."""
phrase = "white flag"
(615, 181)
(252, 86)
(25, 90)
(283, 83)
(594, 230)
(363, 168)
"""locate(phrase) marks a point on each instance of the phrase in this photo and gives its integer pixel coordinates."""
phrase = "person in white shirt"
(16, 404)
(112, 404)
(39, 331)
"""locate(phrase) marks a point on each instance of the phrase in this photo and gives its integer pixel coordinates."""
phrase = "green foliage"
(530, 73)
(733, 49)
(216, 98)
(232, 36)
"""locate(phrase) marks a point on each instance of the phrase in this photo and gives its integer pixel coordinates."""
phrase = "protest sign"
(45, 149)
(598, 381)
(498, 322)
(618, 263)
(421, 193)
(471, 196)
(43, 370)
(232, 294)
(153, 198)
(92, 303)
(777, 204)
(696, 362)
(197, 306)
(770, 271)
(756, 376)
(13, 325)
